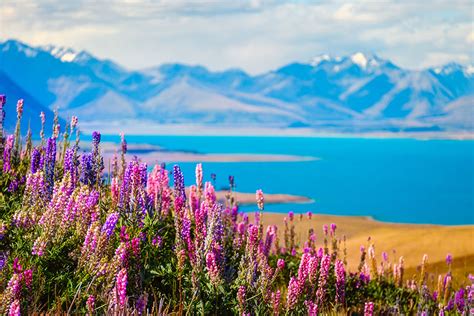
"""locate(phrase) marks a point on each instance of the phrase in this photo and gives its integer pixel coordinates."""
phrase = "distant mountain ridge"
(356, 93)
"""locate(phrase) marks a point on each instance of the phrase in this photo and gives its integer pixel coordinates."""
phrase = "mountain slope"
(360, 92)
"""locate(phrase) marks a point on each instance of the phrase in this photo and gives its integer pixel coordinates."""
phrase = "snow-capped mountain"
(360, 92)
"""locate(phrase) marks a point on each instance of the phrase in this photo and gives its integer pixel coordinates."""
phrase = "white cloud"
(255, 35)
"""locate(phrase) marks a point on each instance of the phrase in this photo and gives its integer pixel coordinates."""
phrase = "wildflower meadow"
(80, 235)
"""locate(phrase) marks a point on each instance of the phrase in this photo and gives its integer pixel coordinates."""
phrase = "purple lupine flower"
(309, 214)
(50, 161)
(459, 300)
(123, 143)
(231, 181)
(87, 169)
(95, 141)
(157, 241)
(121, 288)
(385, 256)
(141, 303)
(7, 151)
(17, 268)
(449, 259)
(178, 178)
(35, 160)
(312, 308)
(340, 281)
(69, 164)
(3, 260)
(110, 223)
(369, 309)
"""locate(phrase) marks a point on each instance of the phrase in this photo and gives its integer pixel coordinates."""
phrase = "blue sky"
(255, 35)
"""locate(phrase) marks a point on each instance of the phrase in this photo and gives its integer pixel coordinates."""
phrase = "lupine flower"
(333, 229)
(141, 303)
(88, 176)
(312, 308)
(121, 288)
(35, 160)
(291, 215)
(459, 300)
(281, 264)
(69, 164)
(310, 214)
(178, 178)
(109, 225)
(123, 143)
(90, 303)
(260, 199)
(294, 292)
(15, 308)
(323, 276)
(19, 108)
(325, 229)
(28, 277)
(275, 298)
(50, 161)
(157, 241)
(74, 121)
(3, 259)
(241, 294)
(369, 309)
(449, 259)
(199, 176)
(7, 150)
(340, 281)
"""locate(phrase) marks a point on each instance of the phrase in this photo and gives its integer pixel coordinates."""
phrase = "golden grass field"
(408, 240)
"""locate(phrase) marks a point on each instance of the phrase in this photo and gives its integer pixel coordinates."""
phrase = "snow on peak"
(318, 59)
(469, 70)
(360, 59)
(20, 47)
(64, 54)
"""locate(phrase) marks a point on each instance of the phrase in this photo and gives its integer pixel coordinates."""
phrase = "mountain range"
(355, 93)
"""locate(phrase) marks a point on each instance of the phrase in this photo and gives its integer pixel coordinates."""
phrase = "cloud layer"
(256, 35)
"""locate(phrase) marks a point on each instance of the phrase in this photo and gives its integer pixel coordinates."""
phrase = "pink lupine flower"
(14, 285)
(303, 270)
(340, 281)
(323, 276)
(38, 247)
(241, 294)
(199, 176)
(212, 268)
(310, 214)
(325, 229)
(333, 229)
(281, 264)
(136, 246)
(369, 309)
(90, 303)
(19, 108)
(14, 308)
(312, 308)
(74, 121)
(275, 299)
(260, 199)
(121, 288)
(294, 292)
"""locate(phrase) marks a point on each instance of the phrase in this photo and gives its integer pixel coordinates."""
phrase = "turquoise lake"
(392, 180)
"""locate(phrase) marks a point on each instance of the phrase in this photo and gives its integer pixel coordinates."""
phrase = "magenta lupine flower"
(310, 214)
(212, 268)
(253, 235)
(340, 281)
(312, 308)
(136, 246)
(275, 298)
(303, 270)
(385, 256)
(109, 225)
(28, 277)
(323, 276)
(281, 264)
(90, 303)
(38, 247)
(121, 288)
(157, 241)
(291, 215)
(369, 309)
(333, 229)
(294, 292)
(260, 199)
(17, 268)
(199, 176)
(14, 308)
(14, 285)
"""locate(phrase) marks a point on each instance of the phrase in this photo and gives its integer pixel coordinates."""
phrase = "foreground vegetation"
(76, 239)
